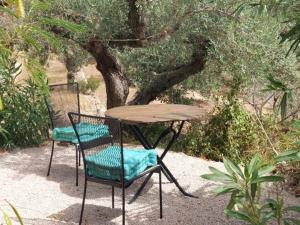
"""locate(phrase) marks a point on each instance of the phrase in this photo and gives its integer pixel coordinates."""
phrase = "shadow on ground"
(178, 209)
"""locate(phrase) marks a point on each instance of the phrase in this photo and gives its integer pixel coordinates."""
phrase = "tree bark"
(136, 20)
(168, 79)
(116, 82)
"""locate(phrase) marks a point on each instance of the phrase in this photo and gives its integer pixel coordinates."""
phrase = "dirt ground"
(55, 200)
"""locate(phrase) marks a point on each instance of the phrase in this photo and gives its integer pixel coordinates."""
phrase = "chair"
(63, 98)
(106, 161)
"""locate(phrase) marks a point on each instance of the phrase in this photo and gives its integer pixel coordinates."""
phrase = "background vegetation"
(240, 55)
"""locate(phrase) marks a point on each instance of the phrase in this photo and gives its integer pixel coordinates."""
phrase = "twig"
(265, 133)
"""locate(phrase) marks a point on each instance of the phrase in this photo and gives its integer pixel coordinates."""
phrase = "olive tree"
(160, 44)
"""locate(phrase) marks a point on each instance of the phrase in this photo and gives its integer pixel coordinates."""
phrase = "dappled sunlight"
(56, 199)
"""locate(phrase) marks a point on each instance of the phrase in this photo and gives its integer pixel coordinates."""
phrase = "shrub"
(245, 186)
(91, 84)
(24, 115)
(231, 132)
(82, 86)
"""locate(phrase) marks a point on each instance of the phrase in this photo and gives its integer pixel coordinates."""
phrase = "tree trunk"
(168, 79)
(116, 82)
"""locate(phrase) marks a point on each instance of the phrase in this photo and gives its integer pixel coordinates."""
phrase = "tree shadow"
(178, 209)
(35, 161)
(93, 215)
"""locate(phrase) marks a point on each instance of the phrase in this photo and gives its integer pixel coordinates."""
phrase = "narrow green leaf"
(294, 221)
(253, 190)
(293, 208)
(16, 213)
(288, 156)
(226, 189)
(232, 200)
(227, 167)
(72, 27)
(214, 177)
(1, 104)
(268, 179)
(7, 220)
(283, 106)
(253, 164)
(265, 170)
(218, 172)
(237, 215)
(267, 217)
(286, 222)
(236, 169)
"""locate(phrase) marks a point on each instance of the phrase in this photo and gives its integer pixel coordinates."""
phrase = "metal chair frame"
(114, 184)
(52, 126)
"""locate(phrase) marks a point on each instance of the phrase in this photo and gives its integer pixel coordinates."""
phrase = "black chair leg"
(160, 196)
(83, 201)
(113, 197)
(49, 167)
(77, 153)
(79, 156)
(123, 205)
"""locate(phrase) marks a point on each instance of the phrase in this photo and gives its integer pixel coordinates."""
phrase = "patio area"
(55, 200)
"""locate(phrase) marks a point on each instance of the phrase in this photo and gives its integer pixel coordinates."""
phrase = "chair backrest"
(63, 98)
(100, 142)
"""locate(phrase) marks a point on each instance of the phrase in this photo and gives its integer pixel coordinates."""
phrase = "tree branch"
(136, 21)
(166, 80)
(137, 25)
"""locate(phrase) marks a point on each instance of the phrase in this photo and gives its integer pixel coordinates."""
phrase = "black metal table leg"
(175, 181)
(141, 188)
(142, 139)
(166, 175)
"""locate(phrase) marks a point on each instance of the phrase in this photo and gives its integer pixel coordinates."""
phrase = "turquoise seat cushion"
(106, 163)
(86, 131)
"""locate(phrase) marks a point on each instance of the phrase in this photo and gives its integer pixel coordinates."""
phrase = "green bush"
(92, 84)
(24, 115)
(231, 132)
(82, 86)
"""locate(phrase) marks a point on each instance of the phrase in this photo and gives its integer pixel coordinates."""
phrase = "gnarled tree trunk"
(116, 82)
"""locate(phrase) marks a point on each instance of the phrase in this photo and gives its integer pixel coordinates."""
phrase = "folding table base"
(142, 139)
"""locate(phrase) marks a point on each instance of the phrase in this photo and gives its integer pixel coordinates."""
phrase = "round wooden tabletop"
(156, 113)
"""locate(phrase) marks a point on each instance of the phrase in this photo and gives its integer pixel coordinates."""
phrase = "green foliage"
(245, 185)
(285, 94)
(231, 132)
(24, 35)
(3, 132)
(91, 84)
(287, 11)
(242, 46)
(24, 115)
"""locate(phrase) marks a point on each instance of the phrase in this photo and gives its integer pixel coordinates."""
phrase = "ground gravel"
(55, 200)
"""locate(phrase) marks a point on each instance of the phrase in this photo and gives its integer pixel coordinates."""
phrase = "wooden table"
(157, 113)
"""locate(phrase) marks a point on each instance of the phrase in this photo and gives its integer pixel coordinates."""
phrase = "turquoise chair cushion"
(106, 163)
(86, 131)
